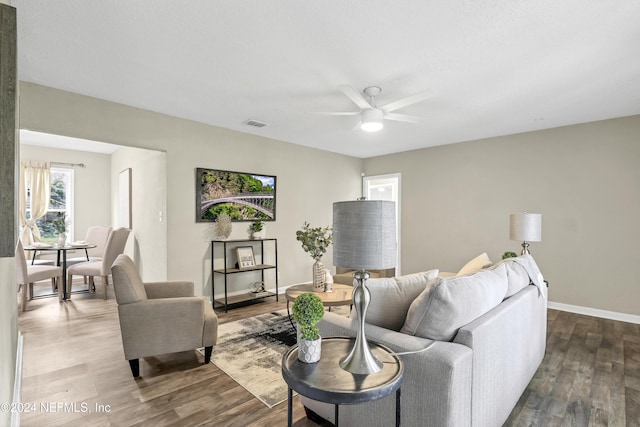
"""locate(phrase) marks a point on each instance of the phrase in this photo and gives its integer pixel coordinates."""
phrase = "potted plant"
(315, 241)
(307, 311)
(509, 255)
(255, 229)
(60, 225)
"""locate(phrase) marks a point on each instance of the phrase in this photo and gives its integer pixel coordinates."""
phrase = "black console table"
(249, 296)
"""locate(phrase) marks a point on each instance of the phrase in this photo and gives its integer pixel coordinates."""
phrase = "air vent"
(254, 123)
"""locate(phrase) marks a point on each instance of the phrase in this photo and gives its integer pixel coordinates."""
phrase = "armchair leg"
(207, 354)
(105, 279)
(135, 367)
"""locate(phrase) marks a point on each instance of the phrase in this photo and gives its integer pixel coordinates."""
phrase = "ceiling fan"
(371, 116)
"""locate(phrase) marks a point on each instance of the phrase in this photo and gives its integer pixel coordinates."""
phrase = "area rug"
(250, 351)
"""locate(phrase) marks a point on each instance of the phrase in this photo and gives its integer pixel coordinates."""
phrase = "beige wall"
(583, 179)
(309, 180)
(147, 244)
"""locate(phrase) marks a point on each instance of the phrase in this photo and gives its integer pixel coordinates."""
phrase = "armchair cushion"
(128, 285)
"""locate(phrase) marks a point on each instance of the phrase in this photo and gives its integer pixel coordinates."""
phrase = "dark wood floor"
(73, 353)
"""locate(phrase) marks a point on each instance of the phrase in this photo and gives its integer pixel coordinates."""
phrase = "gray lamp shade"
(364, 234)
(525, 227)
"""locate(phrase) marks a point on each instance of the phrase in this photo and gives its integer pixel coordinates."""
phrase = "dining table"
(61, 258)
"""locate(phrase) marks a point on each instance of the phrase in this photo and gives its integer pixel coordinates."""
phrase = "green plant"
(60, 223)
(316, 240)
(256, 226)
(509, 255)
(307, 311)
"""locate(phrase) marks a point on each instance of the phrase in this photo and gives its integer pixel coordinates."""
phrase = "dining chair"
(96, 235)
(27, 274)
(102, 268)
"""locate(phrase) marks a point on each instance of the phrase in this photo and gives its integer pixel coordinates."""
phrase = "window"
(385, 187)
(61, 200)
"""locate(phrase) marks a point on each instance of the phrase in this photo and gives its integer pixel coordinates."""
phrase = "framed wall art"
(245, 257)
(243, 196)
(124, 198)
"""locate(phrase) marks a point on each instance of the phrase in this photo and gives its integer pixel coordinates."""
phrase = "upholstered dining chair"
(28, 274)
(96, 235)
(160, 317)
(102, 268)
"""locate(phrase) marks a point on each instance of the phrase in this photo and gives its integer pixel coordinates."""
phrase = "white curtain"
(36, 176)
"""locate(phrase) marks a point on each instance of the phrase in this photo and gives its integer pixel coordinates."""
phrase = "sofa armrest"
(436, 388)
(165, 325)
(173, 289)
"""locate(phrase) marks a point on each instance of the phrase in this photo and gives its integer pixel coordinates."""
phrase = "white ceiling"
(499, 67)
(40, 139)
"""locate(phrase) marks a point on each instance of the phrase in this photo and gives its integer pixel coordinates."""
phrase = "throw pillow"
(480, 262)
(447, 304)
(517, 276)
(392, 296)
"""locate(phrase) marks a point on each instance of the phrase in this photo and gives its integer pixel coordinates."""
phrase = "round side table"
(340, 295)
(326, 381)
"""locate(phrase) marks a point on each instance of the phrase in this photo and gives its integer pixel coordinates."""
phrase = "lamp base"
(525, 249)
(360, 359)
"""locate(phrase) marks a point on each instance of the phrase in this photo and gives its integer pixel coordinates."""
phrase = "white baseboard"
(17, 383)
(623, 317)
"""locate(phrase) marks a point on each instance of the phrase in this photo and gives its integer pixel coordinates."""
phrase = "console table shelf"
(227, 270)
(242, 270)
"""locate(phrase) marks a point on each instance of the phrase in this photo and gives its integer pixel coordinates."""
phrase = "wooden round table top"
(340, 294)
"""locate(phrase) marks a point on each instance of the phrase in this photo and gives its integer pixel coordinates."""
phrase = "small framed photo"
(245, 257)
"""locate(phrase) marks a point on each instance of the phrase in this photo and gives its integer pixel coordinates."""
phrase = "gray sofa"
(489, 335)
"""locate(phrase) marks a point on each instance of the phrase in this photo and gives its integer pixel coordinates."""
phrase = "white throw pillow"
(447, 304)
(517, 276)
(480, 262)
(392, 296)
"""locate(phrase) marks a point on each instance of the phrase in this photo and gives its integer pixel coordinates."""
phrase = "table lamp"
(525, 227)
(364, 237)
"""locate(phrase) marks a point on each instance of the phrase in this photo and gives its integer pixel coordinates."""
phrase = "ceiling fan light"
(371, 120)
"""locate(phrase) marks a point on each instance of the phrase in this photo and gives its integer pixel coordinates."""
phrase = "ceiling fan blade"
(354, 96)
(402, 118)
(345, 113)
(409, 100)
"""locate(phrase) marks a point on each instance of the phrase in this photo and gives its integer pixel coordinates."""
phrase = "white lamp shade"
(525, 227)
(371, 120)
(364, 234)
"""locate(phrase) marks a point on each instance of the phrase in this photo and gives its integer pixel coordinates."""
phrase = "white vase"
(318, 276)
(62, 239)
(309, 350)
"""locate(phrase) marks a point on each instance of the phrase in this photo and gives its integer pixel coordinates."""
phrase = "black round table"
(326, 381)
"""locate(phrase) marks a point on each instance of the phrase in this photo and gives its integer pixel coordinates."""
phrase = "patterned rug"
(250, 351)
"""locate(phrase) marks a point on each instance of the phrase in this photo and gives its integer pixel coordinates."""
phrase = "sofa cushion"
(392, 296)
(480, 262)
(517, 277)
(447, 304)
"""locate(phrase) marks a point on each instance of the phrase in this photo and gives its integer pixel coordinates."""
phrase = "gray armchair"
(161, 317)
